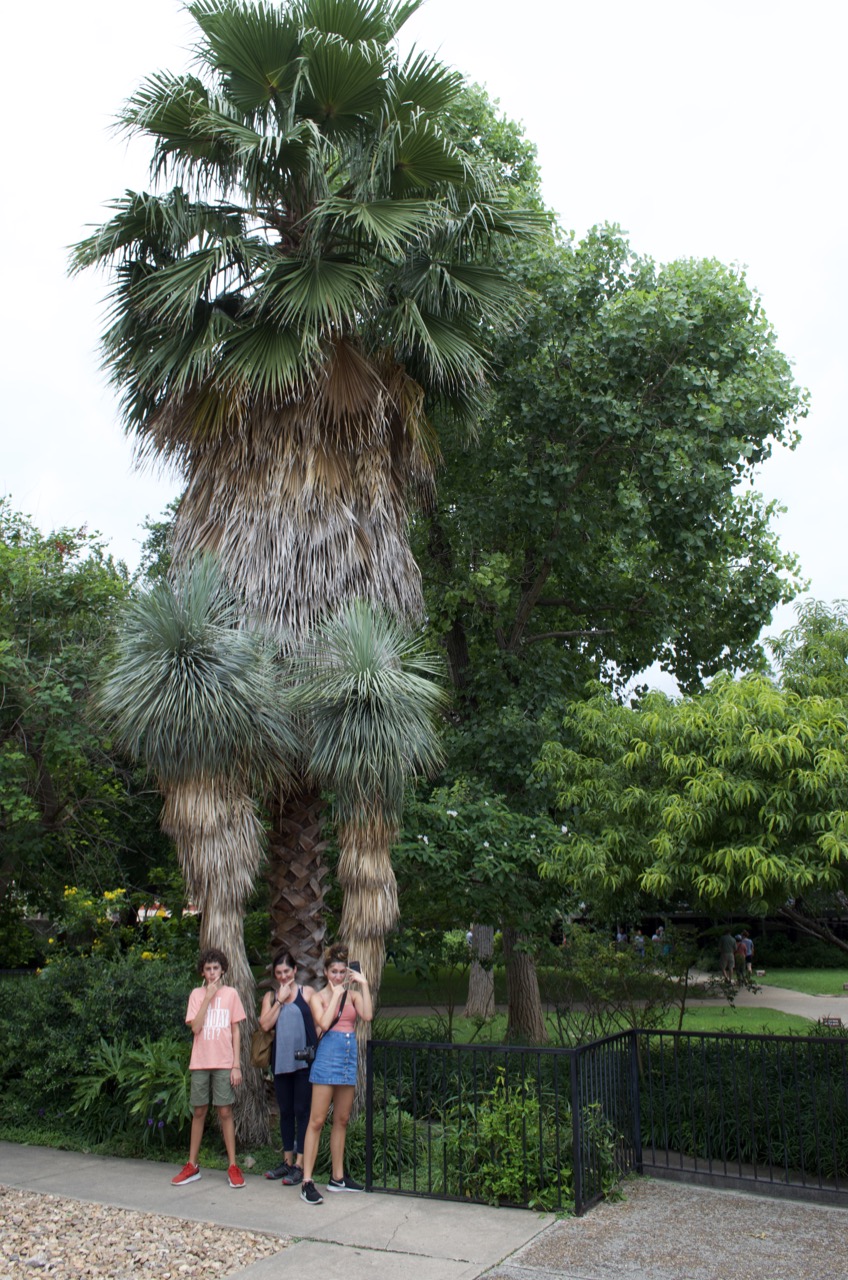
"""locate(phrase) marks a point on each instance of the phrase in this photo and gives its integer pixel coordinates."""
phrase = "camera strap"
(338, 1011)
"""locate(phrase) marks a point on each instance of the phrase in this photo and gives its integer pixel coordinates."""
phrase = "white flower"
(564, 830)
(532, 837)
(485, 844)
(452, 813)
(425, 839)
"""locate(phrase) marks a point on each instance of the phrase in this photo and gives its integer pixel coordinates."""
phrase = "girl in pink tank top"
(335, 1010)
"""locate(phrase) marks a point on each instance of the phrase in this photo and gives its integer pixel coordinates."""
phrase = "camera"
(306, 1054)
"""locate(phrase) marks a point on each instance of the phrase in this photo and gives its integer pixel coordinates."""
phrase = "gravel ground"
(44, 1235)
(664, 1231)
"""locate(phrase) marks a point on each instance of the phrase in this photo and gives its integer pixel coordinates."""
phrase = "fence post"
(636, 1098)
(369, 1113)
(576, 1133)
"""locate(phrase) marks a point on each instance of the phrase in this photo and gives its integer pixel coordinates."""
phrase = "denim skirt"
(335, 1059)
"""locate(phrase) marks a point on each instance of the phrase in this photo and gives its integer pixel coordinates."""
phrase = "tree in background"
(72, 810)
(601, 520)
(733, 800)
(285, 317)
(198, 700)
(467, 855)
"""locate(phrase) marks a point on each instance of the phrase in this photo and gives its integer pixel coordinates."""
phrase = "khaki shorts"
(215, 1082)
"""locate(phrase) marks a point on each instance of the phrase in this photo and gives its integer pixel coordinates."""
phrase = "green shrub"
(779, 951)
(143, 1092)
(52, 1025)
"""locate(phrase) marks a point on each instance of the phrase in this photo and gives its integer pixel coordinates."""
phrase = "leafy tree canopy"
(604, 518)
(465, 854)
(69, 811)
(733, 799)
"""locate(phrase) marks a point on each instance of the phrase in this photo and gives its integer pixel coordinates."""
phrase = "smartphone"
(357, 968)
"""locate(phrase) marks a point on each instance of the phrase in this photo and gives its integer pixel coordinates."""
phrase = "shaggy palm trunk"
(369, 910)
(305, 508)
(219, 838)
(481, 978)
(296, 873)
(524, 1019)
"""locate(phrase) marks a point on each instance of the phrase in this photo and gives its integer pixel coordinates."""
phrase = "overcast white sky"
(704, 128)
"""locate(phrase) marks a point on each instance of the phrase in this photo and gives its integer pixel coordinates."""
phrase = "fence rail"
(765, 1110)
(556, 1128)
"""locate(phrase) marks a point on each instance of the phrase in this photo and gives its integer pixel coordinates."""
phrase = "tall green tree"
(603, 520)
(317, 268)
(734, 799)
(72, 810)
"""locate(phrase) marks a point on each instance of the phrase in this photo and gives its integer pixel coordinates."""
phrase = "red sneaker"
(189, 1173)
(235, 1177)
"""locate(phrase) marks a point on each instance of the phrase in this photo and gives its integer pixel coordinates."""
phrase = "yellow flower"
(51, 940)
(70, 891)
(147, 955)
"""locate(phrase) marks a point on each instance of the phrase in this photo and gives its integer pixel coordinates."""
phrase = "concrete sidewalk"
(350, 1236)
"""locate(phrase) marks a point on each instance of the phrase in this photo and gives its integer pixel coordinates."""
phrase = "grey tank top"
(291, 1035)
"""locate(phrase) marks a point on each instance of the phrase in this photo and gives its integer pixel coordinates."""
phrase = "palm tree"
(371, 701)
(198, 701)
(317, 267)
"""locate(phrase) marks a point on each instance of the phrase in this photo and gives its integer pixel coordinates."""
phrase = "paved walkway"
(655, 1231)
(814, 1007)
(350, 1236)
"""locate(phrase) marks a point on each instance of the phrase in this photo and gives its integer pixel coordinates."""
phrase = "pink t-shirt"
(213, 1044)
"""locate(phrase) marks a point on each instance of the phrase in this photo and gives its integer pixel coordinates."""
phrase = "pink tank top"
(348, 1019)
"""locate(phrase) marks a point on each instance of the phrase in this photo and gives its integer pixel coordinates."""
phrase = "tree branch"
(812, 927)
(568, 635)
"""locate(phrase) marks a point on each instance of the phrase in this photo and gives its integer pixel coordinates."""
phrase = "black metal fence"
(544, 1128)
(556, 1128)
(767, 1112)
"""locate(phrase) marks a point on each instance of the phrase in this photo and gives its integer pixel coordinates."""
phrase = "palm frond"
(425, 161)
(370, 694)
(374, 225)
(191, 693)
(254, 48)
(424, 83)
(317, 292)
(344, 83)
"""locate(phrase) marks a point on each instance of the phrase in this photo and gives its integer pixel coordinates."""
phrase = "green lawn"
(698, 1018)
(814, 982)
(751, 1021)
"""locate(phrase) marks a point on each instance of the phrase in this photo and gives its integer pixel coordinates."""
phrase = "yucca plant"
(371, 700)
(197, 698)
(317, 266)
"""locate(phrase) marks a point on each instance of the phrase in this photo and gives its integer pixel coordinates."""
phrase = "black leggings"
(294, 1099)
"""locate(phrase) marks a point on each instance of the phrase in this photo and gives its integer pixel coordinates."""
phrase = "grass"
(813, 982)
(762, 1021)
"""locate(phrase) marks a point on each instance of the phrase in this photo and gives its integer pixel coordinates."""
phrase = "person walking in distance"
(215, 1013)
(335, 1009)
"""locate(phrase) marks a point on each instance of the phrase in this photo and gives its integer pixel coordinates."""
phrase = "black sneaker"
(275, 1174)
(347, 1183)
(292, 1176)
(310, 1193)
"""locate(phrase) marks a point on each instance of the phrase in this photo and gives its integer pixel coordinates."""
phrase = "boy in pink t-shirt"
(214, 1014)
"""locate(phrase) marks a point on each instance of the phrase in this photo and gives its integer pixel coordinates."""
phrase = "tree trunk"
(524, 1020)
(296, 873)
(218, 838)
(481, 978)
(369, 911)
